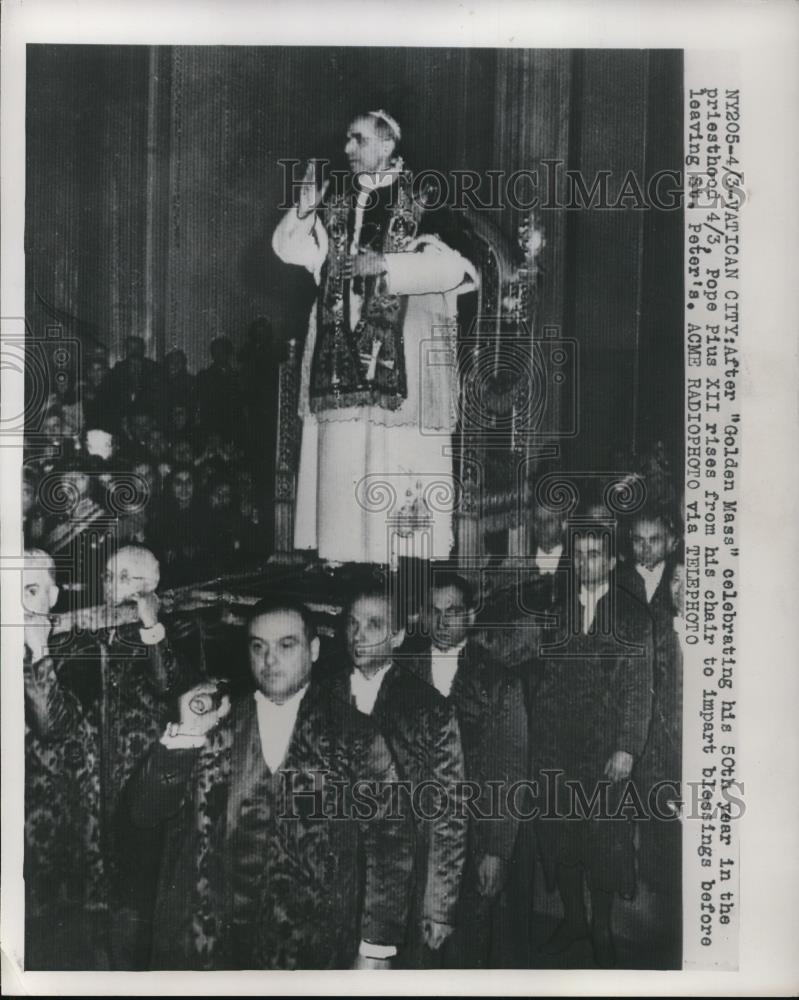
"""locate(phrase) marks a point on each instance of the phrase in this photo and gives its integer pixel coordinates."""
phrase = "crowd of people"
(151, 454)
(373, 800)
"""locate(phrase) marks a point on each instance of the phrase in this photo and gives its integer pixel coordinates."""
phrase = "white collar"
(547, 562)
(651, 574)
(366, 689)
(651, 577)
(589, 600)
(276, 721)
(374, 678)
(382, 178)
(291, 703)
(588, 597)
(444, 666)
(556, 550)
(452, 651)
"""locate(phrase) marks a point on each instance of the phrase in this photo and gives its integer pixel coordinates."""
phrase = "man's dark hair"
(375, 584)
(452, 579)
(653, 512)
(370, 583)
(599, 530)
(274, 605)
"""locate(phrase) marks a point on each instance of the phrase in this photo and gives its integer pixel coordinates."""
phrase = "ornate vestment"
(320, 875)
(378, 390)
(421, 730)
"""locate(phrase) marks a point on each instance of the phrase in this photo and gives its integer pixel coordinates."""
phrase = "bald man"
(125, 681)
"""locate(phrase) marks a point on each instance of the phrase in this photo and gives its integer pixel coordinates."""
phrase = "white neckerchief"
(366, 689)
(547, 562)
(444, 666)
(276, 725)
(589, 600)
(651, 578)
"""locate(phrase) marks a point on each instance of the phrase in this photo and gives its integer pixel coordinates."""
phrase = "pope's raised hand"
(310, 194)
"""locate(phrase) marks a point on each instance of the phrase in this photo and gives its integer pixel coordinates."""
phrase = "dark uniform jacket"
(517, 613)
(489, 706)
(595, 693)
(662, 756)
(594, 698)
(422, 733)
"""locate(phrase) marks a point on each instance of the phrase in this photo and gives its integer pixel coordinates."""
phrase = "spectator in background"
(58, 444)
(78, 530)
(216, 449)
(217, 459)
(69, 399)
(136, 422)
(219, 392)
(158, 451)
(151, 481)
(180, 423)
(94, 394)
(180, 387)
(177, 529)
(135, 381)
(137, 524)
(182, 452)
(64, 389)
(53, 425)
(226, 532)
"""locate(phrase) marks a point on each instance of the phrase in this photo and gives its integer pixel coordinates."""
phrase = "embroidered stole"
(364, 366)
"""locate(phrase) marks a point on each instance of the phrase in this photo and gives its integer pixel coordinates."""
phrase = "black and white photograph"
(379, 529)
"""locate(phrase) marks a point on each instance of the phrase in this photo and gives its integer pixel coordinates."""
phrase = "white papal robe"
(375, 484)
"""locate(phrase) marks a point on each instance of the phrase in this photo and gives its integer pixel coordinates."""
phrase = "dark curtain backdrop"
(153, 187)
